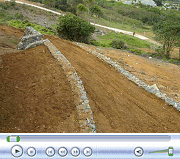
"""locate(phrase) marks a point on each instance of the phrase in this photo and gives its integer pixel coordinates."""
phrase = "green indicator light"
(8, 139)
(13, 139)
(170, 151)
(18, 138)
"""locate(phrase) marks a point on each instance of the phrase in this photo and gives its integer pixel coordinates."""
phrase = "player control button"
(138, 151)
(63, 151)
(50, 151)
(17, 151)
(87, 151)
(31, 151)
(75, 151)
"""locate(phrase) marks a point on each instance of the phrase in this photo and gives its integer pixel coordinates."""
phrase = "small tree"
(80, 9)
(167, 31)
(96, 10)
(74, 28)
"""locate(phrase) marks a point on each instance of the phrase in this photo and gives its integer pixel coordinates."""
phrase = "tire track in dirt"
(118, 104)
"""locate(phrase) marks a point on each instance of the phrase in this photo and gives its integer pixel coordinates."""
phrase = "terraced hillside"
(36, 96)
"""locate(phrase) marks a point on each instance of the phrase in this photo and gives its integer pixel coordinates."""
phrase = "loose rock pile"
(30, 39)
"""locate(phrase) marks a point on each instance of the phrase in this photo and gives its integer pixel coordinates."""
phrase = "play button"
(138, 151)
(17, 151)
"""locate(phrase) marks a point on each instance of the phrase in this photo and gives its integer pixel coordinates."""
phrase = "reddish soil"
(35, 94)
(118, 104)
(165, 75)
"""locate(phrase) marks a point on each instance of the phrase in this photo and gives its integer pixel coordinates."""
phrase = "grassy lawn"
(129, 40)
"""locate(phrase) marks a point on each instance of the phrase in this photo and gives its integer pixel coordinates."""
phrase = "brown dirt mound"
(118, 104)
(35, 95)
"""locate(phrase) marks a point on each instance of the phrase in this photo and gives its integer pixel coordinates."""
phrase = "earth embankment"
(35, 94)
(118, 104)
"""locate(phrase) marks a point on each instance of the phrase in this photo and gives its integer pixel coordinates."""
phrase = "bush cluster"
(74, 28)
(118, 44)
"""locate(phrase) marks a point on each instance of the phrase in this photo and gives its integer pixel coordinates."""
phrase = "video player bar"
(94, 146)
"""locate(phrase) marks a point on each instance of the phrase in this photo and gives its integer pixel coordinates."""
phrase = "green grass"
(23, 24)
(129, 40)
(128, 27)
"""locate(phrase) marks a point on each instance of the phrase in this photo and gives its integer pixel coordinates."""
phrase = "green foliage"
(118, 44)
(4, 5)
(18, 15)
(5, 12)
(135, 51)
(74, 28)
(174, 61)
(158, 2)
(12, 3)
(95, 9)
(129, 40)
(23, 24)
(80, 9)
(94, 42)
(102, 3)
(160, 50)
(145, 15)
(167, 32)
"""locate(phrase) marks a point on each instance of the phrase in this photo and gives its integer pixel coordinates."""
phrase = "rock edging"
(33, 38)
(85, 114)
(136, 80)
(30, 36)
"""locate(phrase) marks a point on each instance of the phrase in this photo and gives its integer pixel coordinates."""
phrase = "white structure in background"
(146, 2)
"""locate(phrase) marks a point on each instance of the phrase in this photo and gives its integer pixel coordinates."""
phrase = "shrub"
(18, 16)
(74, 28)
(12, 3)
(118, 44)
(93, 42)
(160, 50)
(135, 51)
(4, 5)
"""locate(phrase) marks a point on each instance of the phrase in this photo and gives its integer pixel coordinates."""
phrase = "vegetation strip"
(136, 80)
(110, 28)
(85, 115)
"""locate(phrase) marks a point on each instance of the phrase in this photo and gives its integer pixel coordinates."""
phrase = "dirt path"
(118, 105)
(35, 95)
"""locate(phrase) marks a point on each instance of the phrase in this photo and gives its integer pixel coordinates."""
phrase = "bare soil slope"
(35, 95)
(152, 71)
(118, 104)
(32, 82)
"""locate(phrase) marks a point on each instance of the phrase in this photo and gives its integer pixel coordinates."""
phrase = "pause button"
(75, 151)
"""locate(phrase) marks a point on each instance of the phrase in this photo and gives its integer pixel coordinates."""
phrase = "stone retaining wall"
(30, 36)
(84, 112)
(31, 39)
(136, 80)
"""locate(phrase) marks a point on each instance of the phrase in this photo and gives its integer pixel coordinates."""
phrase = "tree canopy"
(167, 31)
(74, 28)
